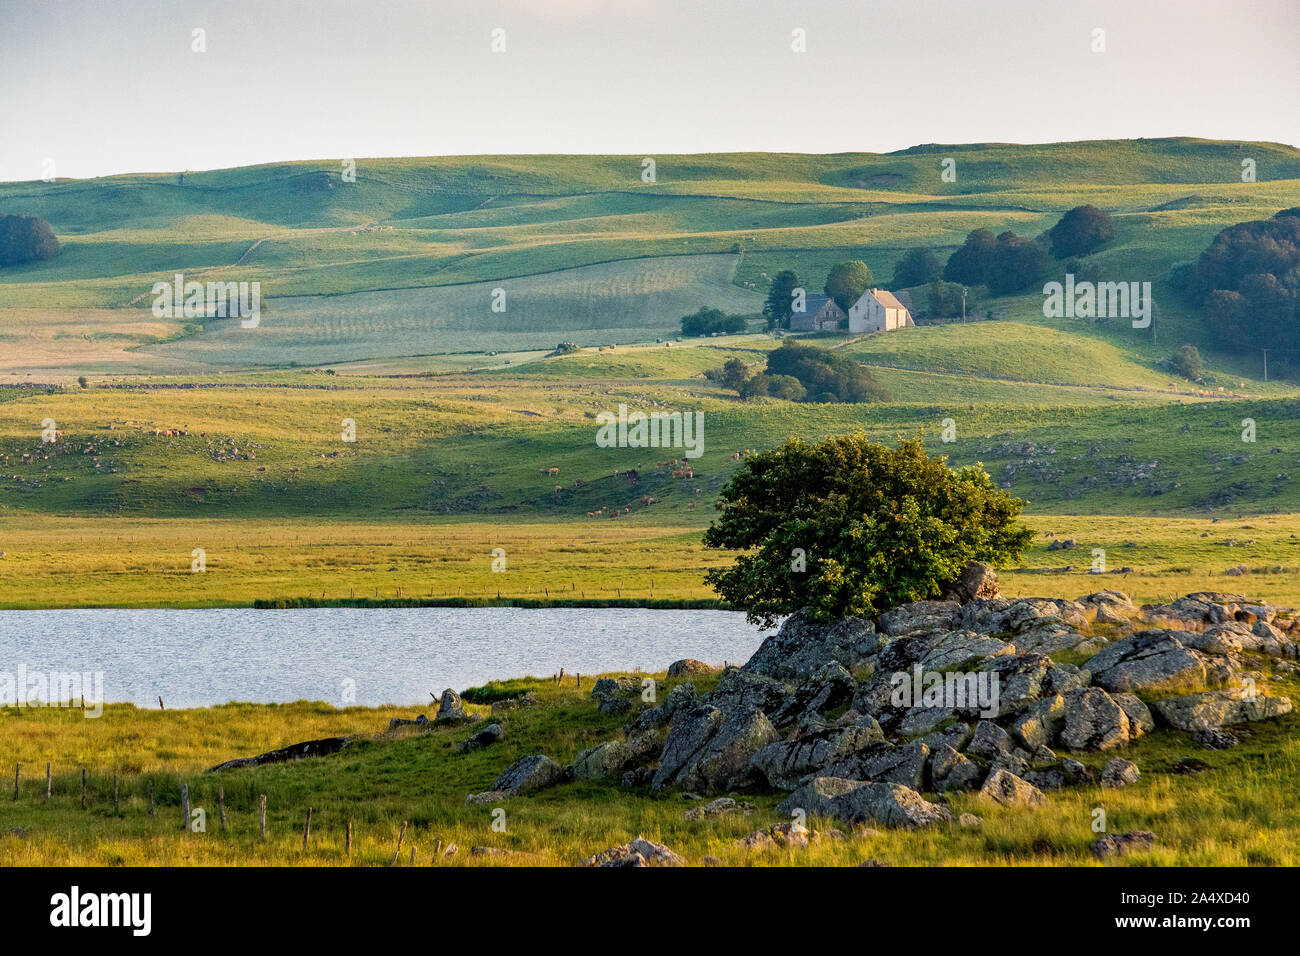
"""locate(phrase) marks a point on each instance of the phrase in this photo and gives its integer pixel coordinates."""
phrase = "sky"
(96, 87)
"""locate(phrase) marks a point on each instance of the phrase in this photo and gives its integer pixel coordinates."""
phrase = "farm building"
(820, 313)
(878, 311)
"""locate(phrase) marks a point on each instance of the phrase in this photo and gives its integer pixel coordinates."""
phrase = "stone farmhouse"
(878, 311)
(820, 313)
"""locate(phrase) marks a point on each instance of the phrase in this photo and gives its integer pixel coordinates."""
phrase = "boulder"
(717, 808)
(1119, 773)
(528, 774)
(977, 581)
(640, 852)
(1094, 721)
(484, 738)
(615, 687)
(613, 757)
(1139, 716)
(451, 709)
(854, 802)
(711, 751)
(989, 740)
(951, 770)
(487, 798)
(803, 646)
(739, 692)
(420, 721)
(785, 763)
(1215, 709)
(920, 617)
(1121, 843)
(680, 700)
(1152, 661)
(688, 666)
(1041, 725)
(883, 762)
(1007, 789)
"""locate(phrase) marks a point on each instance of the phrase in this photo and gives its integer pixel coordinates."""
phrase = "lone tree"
(917, 267)
(847, 281)
(26, 239)
(780, 300)
(850, 527)
(1080, 231)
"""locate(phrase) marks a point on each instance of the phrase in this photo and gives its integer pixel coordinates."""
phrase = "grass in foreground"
(1239, 811)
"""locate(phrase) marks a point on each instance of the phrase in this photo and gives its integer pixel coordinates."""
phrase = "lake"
(195, 658)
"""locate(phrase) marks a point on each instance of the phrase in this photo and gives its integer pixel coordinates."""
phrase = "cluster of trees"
(1187, 363)
(850, 527)
(707, 321)
(1248, 282)
(1004, 263)
(26, 239)
(845, 283)
(802, 373)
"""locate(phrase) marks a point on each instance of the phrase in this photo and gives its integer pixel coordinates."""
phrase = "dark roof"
(814, 302)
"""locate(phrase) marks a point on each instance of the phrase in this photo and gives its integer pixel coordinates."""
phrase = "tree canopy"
(26, 239)
(1082, 230)
(1005, 263)
(918, 266)
(847, 281)
(851, 527)
(707, 321)
(780, 300)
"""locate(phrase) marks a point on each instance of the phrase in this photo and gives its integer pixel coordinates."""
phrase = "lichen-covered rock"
(710, 751)
(951, 770)
(1119, 844)
(536, 772)
(640, 852)
(977, 582)
(613, 757)
(1041, 725)
(1094, 721)
(1139, 716)
(1215, 709)
(484, 738)
(682, 699)
(920, 617)
(717, 808)
(853, 801)
(989, 740)
(615, 687)
(688, 666)
(827, 689)
(1005, 788)
(739, 692)
(884, 763)
(451, 709)
(784, 763)
(1152, 661)
(803, 646)
(1119, 772)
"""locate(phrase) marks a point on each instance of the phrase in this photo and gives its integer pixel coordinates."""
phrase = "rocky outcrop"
(977, 582)
(710, 750)
(804, 646)
(1119, 772)
(640, 852)
(1214, 709)
(855, 802)
(614, 757)
(1094, 721)
(784, 763)
(1149, 661)
(1006, 788)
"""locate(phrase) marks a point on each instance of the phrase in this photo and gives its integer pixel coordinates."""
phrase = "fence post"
(262, 821)
(185, 806)
(306, 830)
(221, 805)
(400, 835)
(151, 801)
(47, 780)
(347, 841)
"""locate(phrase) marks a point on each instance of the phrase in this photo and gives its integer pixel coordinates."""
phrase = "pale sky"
(106, 87)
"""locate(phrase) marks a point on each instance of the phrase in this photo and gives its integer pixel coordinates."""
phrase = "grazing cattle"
(559, 487)
(577, 482)
(554, 471)
(735, 456)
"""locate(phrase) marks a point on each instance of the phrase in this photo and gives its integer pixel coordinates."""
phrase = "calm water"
(196, 658)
